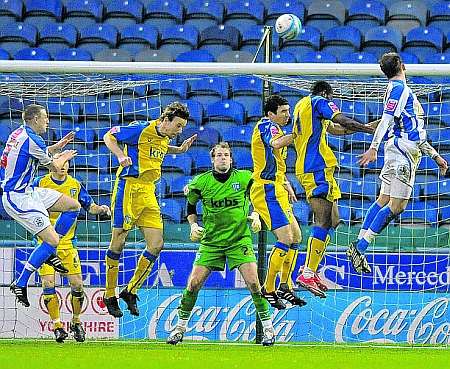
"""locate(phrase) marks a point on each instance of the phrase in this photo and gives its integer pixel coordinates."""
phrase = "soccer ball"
(288, 26)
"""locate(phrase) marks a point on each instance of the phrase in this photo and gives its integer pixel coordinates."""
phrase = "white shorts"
(401, 159)
(29, 208)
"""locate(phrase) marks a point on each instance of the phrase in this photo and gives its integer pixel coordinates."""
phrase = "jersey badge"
(391, 105)
(236, 186)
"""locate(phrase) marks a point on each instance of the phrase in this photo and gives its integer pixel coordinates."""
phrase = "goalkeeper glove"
(196, 232)
(256, 223)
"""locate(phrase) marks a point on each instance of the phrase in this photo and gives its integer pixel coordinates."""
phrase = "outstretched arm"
(351, 124)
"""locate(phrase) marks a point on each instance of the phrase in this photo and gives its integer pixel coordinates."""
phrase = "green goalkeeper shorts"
(215, 257)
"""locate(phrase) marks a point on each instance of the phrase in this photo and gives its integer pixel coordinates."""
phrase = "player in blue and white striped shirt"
(24, 151)
(403, 122)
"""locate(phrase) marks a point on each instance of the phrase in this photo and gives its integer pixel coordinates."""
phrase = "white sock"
(182, 323)
(361, 233)
(267, 323)
(308, 272)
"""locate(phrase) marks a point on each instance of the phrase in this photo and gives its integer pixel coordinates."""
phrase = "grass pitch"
(27, 354)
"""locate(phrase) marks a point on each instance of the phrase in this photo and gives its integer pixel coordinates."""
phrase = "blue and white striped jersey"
(24, 151)
(401, 103)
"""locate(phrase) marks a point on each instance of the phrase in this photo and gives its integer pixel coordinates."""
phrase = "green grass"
(18, 354)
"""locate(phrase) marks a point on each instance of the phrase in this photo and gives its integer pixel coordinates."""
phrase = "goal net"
(404, 300)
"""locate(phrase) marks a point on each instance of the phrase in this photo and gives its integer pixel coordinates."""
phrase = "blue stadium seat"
(40, 12)
(56, 36)
(420, 212)
(359, 57)
(297, 187)
(4, 134)
(109, 111)
(73, 54)
(241, 136)
(301, 211)
(16, 36)
(380, 40)
(437, 189)
(218, 39)
(423, 41)
(161, 188)
(203, 14)
(122, 14)
(432, 112)
(195, 56)
(242, 158)
(251, 37)
(10, 11)
(113, 55)
(308, 40)
(337, 142)
(90, 159)
(179, 39)
(235, 57)
(98, 37)
(345, 210)
(83, 13)
(209, 90)
(179, 163)
(439, 16)
(32, 53)
(409, 58)
(254, 113)
(196, 111)
(247, 90)
(175, 86)
(283, 57)
(206, 136)
(366, 14)
(82, 134)
(243, 13)
(163, 13)
(142, 109)
(62, 109)
(4, 55)
(427, 164)
(225, 111)
(359, 188)
(325, 14)
(348, 162)
(177, 186)
(317, 57)
(171, 210)
(406, 15)
(136, 37)
(102, 184)
(341, 40)
(277, 8)
(355, 109)
(200, 158)
(438, 58)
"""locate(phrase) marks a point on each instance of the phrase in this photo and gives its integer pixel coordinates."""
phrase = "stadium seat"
(73, 54)
(251, 37)
(206, 136)
(195, 56)
(247, 90)
(348, 162)
(277, 8)
(438, 58)
(98, 37)
(235, 57)
(56, 36)
(83, 13)
(420, 212)
(423, 41)
(254, 113)
(209, 90)
(196, 111)
(171, 210)
(218, 39)
(308, 40)
(317, 57)
(177, 186)
(366, 14)
(124, 13)
(200, 158)
(113, 55)
(359, 188)
(283, 57)
(4, 55)
(337, 142)
(406, 15)
(11, 11)
(357, 110)
(225, 111)
(359, 57)
(345, 210)
(301, 211)
(325, 14)
(141, 109)
(439, 16)
(297, 187)
(242, 158)
(180, 163)
(16, 36)
(238, 137)
(98, 110)
(243, 13)
(138, 37)
(163, 13)
(32, 53)
(151, 55)
(170, 86)
(409, 58)
(203, 14)
(40, 12)
(90, 159)
(82, 134)
(437, 189)
(341, 40)
(179, 39)
(4, 134)
(380, 40)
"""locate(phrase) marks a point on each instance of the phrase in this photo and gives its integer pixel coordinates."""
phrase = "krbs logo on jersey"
(224, 203)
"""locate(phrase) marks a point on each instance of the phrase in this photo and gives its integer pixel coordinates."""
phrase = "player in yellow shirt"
(271, 195)
(134, 201)
(61, 181)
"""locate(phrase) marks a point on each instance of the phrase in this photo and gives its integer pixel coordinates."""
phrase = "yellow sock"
(276, 260)
(51, 301)
(315, 252)
(112, 273)
(143, 269)
(76, 299)
(288, 267)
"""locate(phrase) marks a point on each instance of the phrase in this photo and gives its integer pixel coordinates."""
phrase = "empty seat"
(177, 186)
(171, 210)
(97, 37)
(106, 111)
(138, 37)
(437, 58)
(325, 14)
(142, 109)
(113, 55)
(163, 13)
(380, 40)
(409, 58)
(73, 54)
(356, 110)
(242, 158)
(124, 13)
(277, 8)
(196, 111)
(341, 40)
(302, 211)
(179, 39)
(247, 90)
(83, 13)
(283, 57)
(40, 12)
(244, 13)
(308, 40)
(178, 162)
(200, 158)
(238, 137)
(16, 36)
(32, 53)
(195, 56)
(366, 14)
(4, 55)
(11, 11)
(151, 55)
(235, 57)
(420, 212)
(406, 15)
(424, 41)
(206, 136)
(57, 36)
(209, 89)
(203, 14)
(218, 39)
(317, 57)
(439, 16)
(225, 111)
(359, 57)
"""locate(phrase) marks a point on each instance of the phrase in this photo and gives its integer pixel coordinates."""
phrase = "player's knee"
(287, 238)
(383, 199)
(397, 208)
(194, 284)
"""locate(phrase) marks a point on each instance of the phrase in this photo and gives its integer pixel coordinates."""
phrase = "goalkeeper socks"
(76, 300)
(262, 306)
(317, 243)
(276, 260)
(36, 259)
(383, 218)
(51, 302)
(142, 271)
(112, 272)
(65, 222)
(370, 216)
(289, 265)
(187, 304)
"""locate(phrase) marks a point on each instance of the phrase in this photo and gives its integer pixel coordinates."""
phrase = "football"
(288, 26)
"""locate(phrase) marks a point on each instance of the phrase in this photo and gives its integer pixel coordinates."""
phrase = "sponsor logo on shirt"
(236, 186)
(115, 129)
(333, 107)
(224, 203)
(391, 105)
(274, 130)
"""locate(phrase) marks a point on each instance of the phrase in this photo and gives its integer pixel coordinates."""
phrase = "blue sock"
(281, 246)
(65, 221)
(382, 219)
(150, 257)
(370, 216)
(319, 233)
(36, 259)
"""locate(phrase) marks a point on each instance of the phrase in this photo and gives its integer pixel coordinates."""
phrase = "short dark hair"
(220, 145)
(391, 64)
(175, 109)
(31, 111)
(321, 86)
(273, 102)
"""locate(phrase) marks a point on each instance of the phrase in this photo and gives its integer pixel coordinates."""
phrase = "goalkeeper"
(226, 237)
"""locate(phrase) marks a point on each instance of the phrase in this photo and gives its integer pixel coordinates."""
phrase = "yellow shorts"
(69, 258)
(320, 184)
(271, 201)
(135, 203)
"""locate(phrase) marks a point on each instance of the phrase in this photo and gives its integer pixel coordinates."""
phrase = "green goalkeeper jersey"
(225, 207)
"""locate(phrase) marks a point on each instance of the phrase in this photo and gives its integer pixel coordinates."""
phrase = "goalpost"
(404, 300)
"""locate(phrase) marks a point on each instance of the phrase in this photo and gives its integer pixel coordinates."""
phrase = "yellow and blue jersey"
(72, 188)
(312, 115)
(269, 164)
(145, 146)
